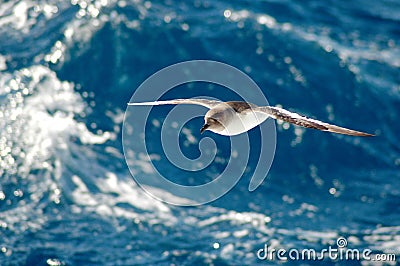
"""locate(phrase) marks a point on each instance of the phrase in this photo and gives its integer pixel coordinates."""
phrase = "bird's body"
(233, 118)
(240, 120)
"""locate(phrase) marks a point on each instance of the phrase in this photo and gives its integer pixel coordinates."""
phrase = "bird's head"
(212, 123)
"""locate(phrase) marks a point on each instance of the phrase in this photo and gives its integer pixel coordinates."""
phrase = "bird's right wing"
(299, 120)
(203, 102)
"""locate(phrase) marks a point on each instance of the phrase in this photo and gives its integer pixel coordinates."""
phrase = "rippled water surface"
(67, 70)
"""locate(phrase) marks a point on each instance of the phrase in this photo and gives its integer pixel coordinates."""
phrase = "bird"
(236, 117)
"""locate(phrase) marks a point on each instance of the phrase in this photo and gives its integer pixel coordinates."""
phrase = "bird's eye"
(214, 121)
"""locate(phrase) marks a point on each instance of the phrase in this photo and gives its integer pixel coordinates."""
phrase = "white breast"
(243, 122)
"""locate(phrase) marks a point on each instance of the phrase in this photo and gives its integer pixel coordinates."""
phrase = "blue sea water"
(68, 68)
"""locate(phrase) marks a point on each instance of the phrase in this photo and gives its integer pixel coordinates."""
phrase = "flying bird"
(236, 117)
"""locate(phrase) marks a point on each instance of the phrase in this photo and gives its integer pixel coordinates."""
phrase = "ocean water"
(68, 68)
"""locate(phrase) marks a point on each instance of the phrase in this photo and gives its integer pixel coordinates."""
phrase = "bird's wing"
(299, 120)
(203, 102)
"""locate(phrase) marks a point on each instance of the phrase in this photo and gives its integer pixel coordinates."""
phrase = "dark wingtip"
(368, 135)
(349, 132)
(361, 134)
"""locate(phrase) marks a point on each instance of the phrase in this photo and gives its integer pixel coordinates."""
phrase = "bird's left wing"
(203, 102)
(299, 120)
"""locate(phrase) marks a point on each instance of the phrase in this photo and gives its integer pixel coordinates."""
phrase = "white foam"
(3, 63)
(40, 131)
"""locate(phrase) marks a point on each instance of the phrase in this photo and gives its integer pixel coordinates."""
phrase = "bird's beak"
(204, 128)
